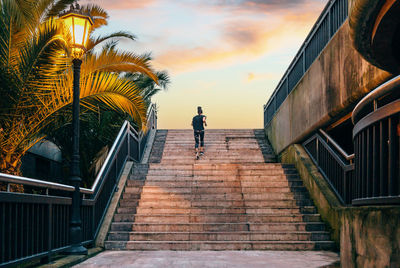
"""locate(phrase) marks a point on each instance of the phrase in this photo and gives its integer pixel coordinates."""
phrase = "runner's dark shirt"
(198, 122)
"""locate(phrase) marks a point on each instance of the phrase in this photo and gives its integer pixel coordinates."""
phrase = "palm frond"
(56, 7)
(93, 42)
(98, 14)
(115, 61)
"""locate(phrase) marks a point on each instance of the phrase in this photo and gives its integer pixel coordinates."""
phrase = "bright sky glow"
(224, 55)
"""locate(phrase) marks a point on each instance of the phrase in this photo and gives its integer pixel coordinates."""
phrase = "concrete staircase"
(230, 199)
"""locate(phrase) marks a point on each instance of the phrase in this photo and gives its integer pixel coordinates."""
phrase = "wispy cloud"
(262, 76)
(121, 4)
(239, 40)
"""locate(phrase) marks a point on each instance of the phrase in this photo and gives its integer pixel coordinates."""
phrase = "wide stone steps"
(230, 199)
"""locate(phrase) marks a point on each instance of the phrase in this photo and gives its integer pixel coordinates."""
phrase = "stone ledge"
(72, 260)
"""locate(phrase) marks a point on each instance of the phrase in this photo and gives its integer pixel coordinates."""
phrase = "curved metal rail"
(372, 97)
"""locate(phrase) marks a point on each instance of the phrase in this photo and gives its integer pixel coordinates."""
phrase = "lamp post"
(79, 25)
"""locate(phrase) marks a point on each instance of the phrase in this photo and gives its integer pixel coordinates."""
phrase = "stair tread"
(225, 232)
(232, 241)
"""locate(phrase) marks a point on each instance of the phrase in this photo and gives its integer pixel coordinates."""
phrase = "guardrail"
(376, 137)
(36, 226)
(330, 20)
(334, 164)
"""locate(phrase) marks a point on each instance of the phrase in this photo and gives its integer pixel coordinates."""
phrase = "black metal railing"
(376, 137)
(330, 20)
(334, 164)
(36, 226)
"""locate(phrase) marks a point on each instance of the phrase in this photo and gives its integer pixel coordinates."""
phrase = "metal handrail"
(57, 186)
(343, 192)
(325, 17)
(307, 40)
(34, 182)
(106, 162)
(337, 146)
(378, 92)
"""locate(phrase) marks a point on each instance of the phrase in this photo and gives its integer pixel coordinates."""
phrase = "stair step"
(218, 236)
(218, 227)
(211, 190)
(227, 178)
(219, 245)
(225, 217)
(222, 196)
(215, 183)
(223, 203)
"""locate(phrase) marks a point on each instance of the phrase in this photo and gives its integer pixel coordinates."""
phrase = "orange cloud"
(121, 4)
(240, 40)
(262, 76)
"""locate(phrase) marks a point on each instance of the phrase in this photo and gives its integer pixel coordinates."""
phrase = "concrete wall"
(331, 87)
(368, 236)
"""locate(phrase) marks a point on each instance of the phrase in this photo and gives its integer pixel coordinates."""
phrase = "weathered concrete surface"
(201, 259)
(374, 30)
(368, 236)
(331, 87)
(68, 261)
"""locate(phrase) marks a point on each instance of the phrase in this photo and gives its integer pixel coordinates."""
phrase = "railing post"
(46, 259)
(345, 186)
(317, 150)
(128, 142)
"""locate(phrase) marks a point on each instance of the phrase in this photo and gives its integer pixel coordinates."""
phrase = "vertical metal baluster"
(383, 156)
(37, 231)
(375, 157)
(50, 227)
(317, 152)
(31, 229)
(16, 225)
(345, 187)
(362, 167)
(369, 163)
(3, 232)
(24, 225)
(359, 166)
(28, 228)
(398, 155)
(42, 231)
(392, 160)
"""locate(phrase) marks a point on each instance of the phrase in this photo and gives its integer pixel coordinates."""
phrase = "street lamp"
(79, 26)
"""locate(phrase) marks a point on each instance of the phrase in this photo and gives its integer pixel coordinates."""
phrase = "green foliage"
(36, 75)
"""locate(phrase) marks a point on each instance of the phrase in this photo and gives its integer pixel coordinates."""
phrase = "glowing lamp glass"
(79, 27)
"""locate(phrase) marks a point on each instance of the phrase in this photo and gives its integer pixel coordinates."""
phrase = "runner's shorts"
(199, 138)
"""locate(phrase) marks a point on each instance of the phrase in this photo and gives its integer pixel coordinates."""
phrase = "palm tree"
(36, 75)
(99, 129)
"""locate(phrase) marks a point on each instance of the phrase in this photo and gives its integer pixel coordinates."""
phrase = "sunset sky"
(224, 55)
